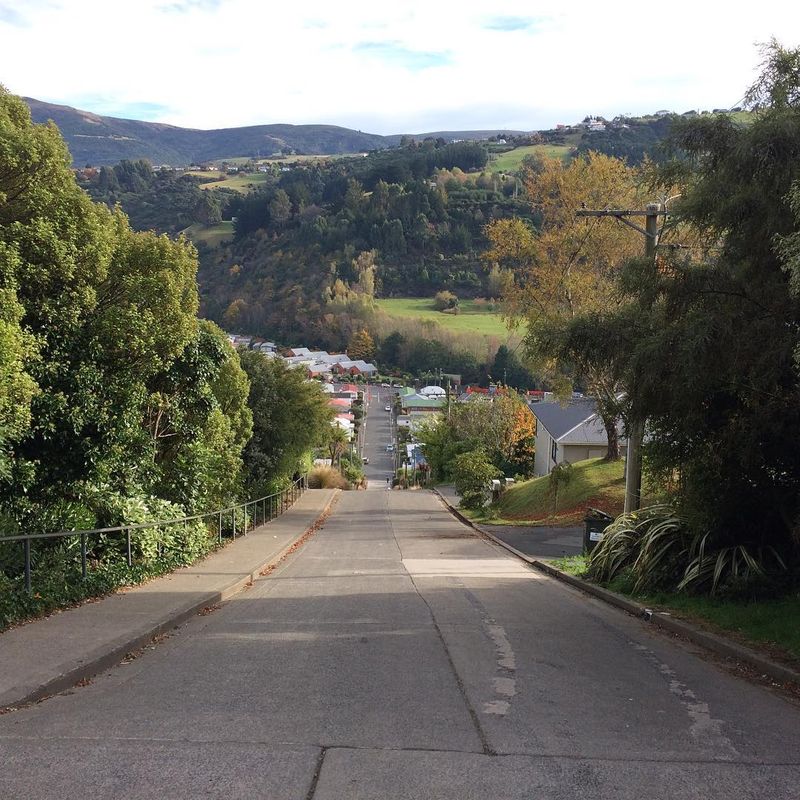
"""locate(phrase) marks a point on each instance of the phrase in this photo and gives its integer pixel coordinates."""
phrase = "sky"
(406, 66)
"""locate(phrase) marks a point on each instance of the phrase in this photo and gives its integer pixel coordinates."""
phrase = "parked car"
(390, 448)
(365, 459)
(387, 408)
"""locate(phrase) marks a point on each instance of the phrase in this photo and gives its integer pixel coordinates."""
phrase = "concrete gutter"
(711, 641)
(47, 656)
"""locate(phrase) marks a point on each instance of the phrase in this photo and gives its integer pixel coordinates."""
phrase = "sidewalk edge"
(106, 660)
(711, 641)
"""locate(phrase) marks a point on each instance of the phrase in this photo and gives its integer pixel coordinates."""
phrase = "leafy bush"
(352, 469)
(472, 475)
(444, 300)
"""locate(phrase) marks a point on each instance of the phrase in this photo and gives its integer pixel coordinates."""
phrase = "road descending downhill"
(398, 655)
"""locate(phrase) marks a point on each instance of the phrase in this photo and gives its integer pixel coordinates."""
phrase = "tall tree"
(717, 330)
(361, 346)
(97, 321)
(568, 267)
(291, 416)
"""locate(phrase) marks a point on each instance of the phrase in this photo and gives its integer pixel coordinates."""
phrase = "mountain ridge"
(99, 140)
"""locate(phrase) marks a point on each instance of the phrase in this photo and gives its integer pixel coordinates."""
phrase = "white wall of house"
(543, 463)
(571, 453)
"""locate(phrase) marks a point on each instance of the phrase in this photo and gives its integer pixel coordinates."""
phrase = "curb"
(713, 642)
(111, 658)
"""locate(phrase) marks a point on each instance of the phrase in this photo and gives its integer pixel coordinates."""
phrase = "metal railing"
(251, 514)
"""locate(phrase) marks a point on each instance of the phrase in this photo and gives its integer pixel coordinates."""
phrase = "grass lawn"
(594, 483)
(212, 236)
(511, 161)
(767, 624)
(240, 183)
(471, 319)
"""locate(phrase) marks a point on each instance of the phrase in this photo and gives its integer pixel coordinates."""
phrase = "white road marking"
(703, 726)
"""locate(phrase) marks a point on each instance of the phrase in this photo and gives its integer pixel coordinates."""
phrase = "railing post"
(130, 554)
(27, 565)
(219, 530)
(233, 516)
(83, 556)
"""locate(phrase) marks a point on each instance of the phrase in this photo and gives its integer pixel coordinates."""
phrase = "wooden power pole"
(633, 462)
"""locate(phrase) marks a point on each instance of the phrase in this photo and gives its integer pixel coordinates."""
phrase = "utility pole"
(633, 461)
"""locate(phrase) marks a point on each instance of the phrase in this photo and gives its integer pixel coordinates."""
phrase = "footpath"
(46, 656)
(735, 653)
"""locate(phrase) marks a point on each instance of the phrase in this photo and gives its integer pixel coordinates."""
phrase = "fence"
(234, 521)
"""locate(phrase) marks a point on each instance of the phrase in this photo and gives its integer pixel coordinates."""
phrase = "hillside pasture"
(213, 235)
(240, 182)
(511, 161)
(470, 319)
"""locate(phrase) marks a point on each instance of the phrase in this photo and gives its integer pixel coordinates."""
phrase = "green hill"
(596, 483)
(98, 140)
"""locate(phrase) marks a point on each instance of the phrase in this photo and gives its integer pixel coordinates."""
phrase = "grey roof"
(590, 431)
(576, 423)
(558, 419)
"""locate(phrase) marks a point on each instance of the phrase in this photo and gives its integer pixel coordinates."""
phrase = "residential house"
(570, 433)
(348, 367)
(415, 405)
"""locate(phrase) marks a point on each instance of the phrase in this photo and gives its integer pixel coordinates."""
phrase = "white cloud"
(381, 66)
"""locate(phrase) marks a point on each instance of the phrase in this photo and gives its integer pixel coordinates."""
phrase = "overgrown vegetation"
(117, 404)
(498, 428)
(703, 341)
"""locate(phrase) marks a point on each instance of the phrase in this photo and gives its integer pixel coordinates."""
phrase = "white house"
(570, 433)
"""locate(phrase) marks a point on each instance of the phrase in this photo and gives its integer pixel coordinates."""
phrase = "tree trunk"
(610, 424)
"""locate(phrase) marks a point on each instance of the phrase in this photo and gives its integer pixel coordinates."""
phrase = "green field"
(512, 160)
(470, 318)
(213, 236)
(240, 183)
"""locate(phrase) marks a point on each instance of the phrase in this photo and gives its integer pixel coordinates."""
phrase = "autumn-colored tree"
(568, 268)
(501, 426)
(361, 346)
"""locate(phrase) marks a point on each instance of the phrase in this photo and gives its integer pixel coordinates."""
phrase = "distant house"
(348, 367)
(433, 391)
(415, 405)
(568, 433)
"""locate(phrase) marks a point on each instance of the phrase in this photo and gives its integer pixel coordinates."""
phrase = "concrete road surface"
(396, 655)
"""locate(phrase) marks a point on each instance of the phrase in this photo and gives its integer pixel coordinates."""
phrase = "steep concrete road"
(396, 655)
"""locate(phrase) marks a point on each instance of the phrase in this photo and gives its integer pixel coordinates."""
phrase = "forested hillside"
(298, 253)
(299, 242)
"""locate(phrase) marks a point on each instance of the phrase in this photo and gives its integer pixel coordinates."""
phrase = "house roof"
(420, 401)
(576, 423)
(558, 419)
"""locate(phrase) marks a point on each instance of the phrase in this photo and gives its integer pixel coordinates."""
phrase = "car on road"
(390, 448)
(365, 459)
(387, 408)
